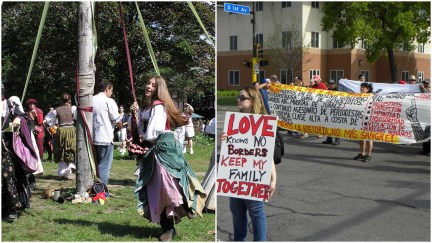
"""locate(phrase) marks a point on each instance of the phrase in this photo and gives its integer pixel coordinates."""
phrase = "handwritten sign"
(400, 118)
(382, 88)
(245, 162)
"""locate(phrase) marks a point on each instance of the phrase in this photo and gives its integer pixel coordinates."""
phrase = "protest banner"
(245, 163)
(400, 118)
(382, 88)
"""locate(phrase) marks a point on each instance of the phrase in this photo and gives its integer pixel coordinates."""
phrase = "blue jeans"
(104, 155)
(238, 209)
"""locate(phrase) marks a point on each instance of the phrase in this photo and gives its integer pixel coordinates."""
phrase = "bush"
(226, 93)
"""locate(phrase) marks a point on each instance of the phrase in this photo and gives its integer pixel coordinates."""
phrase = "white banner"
(245, 163)
(400, 118)
(381, 88)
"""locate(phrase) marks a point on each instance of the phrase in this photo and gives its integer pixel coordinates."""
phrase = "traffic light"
(247, 64)
(263, 63)
(259, 50)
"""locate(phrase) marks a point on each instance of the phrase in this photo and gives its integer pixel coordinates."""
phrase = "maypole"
(85, 87)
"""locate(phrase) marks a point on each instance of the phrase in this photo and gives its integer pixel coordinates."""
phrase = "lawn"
(227, 101)
(117, 220)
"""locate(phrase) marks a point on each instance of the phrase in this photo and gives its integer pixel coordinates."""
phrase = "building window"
(286, 4)
(315, 4)
(336, 44)
(234, 78)
(336, 75)
(405, 46)
(405, 75)
(313, 72)
(261, 76)
(420, 76)
(286, 39)
(365, 73)
(233, 43)
(259, 39)
(421, 47)
(364, 44)
(315, 40)
(258, 6)
(286, 76)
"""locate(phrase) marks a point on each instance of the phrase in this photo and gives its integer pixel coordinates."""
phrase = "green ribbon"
(147, 40)
(199, 20)
(95, 45)
(36, 46)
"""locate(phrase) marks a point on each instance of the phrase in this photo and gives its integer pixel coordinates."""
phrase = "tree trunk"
(86, 85)
(392, 63)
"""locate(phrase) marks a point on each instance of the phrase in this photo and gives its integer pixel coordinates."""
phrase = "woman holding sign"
(250, 101)
(365, 145)
(167, 188)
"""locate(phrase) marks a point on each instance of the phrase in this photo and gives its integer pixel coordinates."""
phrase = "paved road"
(322, 194)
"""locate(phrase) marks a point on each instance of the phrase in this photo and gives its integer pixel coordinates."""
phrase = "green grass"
(224, 93)
(117, 220)
(227, 101)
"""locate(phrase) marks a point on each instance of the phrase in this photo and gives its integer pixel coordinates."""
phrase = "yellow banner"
(392, 118)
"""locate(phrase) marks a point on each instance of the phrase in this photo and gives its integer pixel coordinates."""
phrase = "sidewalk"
(227, 108)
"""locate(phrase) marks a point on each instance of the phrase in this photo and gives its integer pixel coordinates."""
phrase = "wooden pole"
(86, 75)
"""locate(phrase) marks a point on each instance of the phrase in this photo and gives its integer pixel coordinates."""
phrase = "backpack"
(279, 150)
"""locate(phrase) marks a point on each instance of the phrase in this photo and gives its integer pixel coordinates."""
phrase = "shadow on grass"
(117, 230)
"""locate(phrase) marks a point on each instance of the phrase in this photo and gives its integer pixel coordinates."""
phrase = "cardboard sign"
(246, 156)
(400, 118)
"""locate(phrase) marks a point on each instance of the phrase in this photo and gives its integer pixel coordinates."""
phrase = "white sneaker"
(191, 151)
(184, 150)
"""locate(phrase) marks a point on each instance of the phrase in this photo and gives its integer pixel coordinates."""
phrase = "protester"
(16, 191)
(298, 81)
(167, 188)
(361, 78)
(365, 145)
(250, 101)
(121, 133)
(273, 79)
(329, 140)
(105, 114)
(425, 86)
(190, 131)
(264, 91)
(318, 84)
(412, 79)
(65, 136)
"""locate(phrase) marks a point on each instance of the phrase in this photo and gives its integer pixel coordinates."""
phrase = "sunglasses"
(242, 98)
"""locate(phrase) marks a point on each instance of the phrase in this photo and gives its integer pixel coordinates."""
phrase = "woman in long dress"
(65, 137)
(167, 188)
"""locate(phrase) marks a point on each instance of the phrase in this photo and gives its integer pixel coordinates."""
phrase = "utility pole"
(86, 75)
(255, 64)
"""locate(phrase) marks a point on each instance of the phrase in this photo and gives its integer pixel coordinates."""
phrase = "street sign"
(235, 8)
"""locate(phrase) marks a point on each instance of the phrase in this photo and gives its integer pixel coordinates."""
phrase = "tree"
(386, 26)
(184, 56)
(286, 47)
(86, 86)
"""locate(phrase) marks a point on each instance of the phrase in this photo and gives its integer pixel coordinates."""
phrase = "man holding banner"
(246, 170)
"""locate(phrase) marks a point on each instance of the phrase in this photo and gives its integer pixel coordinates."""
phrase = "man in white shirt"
(105, 115)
